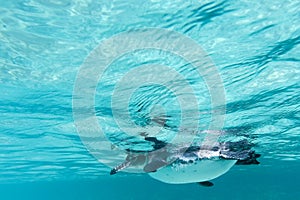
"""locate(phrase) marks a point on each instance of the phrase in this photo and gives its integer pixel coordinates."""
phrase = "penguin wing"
(154, 165)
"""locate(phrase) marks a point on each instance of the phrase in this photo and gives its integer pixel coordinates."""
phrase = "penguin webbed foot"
(206, 183)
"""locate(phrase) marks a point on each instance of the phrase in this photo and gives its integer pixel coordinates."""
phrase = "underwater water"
(44, 44)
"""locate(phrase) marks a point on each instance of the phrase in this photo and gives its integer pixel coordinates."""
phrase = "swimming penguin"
(187, 164)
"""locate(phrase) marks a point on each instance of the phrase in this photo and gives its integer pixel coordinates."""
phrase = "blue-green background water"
(255, 46)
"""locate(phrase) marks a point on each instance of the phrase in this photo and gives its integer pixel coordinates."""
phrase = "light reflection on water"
(254, 45)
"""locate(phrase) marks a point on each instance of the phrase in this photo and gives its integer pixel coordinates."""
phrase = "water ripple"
(255, 46)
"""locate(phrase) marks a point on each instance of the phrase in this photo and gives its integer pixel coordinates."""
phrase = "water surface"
(255, 46)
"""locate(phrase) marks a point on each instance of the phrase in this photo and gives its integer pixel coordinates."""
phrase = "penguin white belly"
(200, 171)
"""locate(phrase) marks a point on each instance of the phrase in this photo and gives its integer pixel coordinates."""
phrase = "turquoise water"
(254, 46)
